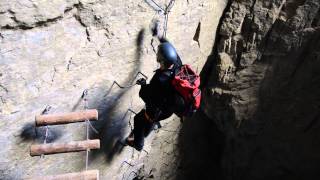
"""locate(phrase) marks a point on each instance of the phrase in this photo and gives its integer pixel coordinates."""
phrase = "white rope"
(87, 153)
(88, 124)
(165, 11)
(85, 93)
(46, 136)
(94, 129)
(45, 111)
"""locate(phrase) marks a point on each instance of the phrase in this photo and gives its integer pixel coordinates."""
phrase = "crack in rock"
(41, 23)
(2, 100)
(197, 34)
(4, 88)
(54, 73)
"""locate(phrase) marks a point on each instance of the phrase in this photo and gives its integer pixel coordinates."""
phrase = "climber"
(161, 100)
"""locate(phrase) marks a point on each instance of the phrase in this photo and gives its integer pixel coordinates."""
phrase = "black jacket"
(159, 95)
(158, 92)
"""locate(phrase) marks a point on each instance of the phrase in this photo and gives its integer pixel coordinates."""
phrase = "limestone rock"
(269, 109)
(225, 67)
(51, 51)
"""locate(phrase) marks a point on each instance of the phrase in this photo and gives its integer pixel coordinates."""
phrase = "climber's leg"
(148, 127)
(140, 125)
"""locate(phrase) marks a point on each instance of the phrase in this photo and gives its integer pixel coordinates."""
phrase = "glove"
(141, 81)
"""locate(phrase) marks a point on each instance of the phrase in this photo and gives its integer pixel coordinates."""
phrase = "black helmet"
(167, 54)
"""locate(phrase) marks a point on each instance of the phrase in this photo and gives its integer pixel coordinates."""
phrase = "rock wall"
(263, 89)
(51, 51)
(261, 86)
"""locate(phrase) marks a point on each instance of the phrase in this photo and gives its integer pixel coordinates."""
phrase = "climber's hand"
(141, 81)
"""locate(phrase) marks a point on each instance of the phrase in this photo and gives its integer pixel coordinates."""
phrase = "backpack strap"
(166, 76)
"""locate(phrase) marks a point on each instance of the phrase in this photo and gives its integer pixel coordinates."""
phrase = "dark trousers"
(143, 127)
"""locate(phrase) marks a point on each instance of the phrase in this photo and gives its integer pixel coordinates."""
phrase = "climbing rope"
(168, 8)
(88, 123)
(45, 111)
(159, 8)
(164, 11)
(46, 136)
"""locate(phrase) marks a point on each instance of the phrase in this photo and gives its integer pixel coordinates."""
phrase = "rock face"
(264, 87)
(261, 86)
(51, 51)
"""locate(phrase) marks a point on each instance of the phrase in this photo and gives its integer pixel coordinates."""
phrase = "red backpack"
(186, 82)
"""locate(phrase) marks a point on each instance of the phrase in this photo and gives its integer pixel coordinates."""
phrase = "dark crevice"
(291, 6)
(153, 46)
(316, 20)
(307, 50)
(197, 34)
(312, 122)
(278, 24)
(24, 26)
(77, 16)
(88, 36)
(265, 42)
(201, 148)
(252, 8)
(238, 60)
(246, 31)
(48, 21)
(248, 27)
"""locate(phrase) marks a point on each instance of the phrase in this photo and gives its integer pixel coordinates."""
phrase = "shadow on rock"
(31, 133)
(112, 125)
